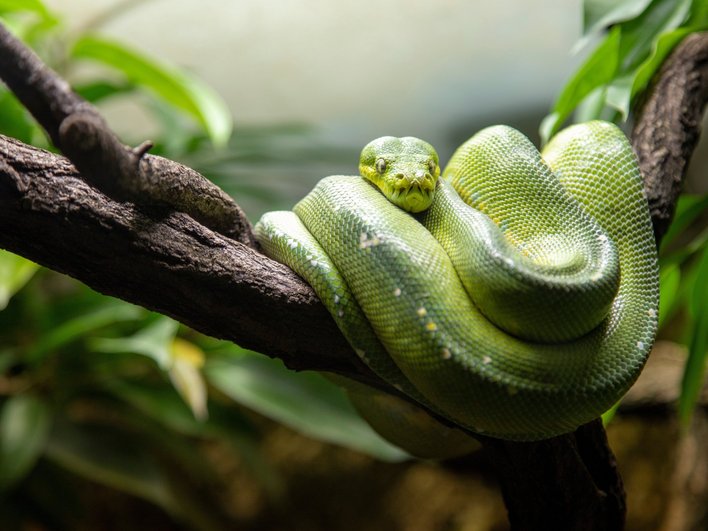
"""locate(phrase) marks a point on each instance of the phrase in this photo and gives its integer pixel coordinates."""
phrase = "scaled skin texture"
(404, 169)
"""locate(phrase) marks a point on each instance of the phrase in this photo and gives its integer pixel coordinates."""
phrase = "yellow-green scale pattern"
(593, 228)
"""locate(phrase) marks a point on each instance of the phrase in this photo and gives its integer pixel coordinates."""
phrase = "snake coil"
(516, 296)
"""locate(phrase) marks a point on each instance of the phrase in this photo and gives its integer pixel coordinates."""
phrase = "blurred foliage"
(96, 388)
(187, 111)
(633, 38)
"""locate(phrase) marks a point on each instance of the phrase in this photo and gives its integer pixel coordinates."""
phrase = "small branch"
(125, 174)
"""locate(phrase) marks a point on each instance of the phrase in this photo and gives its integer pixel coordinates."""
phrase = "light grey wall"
(361, 68)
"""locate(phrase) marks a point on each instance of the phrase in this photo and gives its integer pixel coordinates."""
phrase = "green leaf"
(104, 455)
(592, 106)
(75, 328)
(153, 341)
(597, 70)
(15, 272)
(623, 90)
(619, 95)
(32, 6)
(601, 14)
(669, 281)
(699, 14)
(694, 371)
(165, 407)
(306, 402)
(24, 425)
(640, 34)
(608, 415)
(660, 50)
(180, 89)
(688, 208)
(100, 90)
(185, 373)
(15, 121)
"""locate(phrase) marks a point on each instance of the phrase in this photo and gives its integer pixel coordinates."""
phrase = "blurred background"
(112, 417)
(357, 69)
(351, 70)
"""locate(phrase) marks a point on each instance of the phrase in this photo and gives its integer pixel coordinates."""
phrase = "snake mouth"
(415, 197)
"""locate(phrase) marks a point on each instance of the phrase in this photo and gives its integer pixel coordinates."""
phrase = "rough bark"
(81, 133)
(168, 262)
(669, 126)
(164, 261)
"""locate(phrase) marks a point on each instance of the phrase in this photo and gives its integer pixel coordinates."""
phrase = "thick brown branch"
(669, 125)
(163, 261)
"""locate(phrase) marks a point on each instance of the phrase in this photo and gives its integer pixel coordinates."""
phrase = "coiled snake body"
(516, 295)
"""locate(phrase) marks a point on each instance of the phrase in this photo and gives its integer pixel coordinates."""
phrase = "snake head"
(404, 169)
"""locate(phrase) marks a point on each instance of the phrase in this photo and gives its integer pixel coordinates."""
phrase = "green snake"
(516, 295)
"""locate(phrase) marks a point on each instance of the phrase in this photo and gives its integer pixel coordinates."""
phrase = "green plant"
(635, 36)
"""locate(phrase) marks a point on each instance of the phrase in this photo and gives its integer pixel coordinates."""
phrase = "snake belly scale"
(516, 295)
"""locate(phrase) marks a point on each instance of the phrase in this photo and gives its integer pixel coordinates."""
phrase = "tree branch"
(164, 261)
(669, 126)
(81, 133)
(168, 262)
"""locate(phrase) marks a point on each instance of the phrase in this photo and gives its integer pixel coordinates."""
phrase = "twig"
(125, 174)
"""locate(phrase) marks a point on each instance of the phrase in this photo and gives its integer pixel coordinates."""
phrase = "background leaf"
(24, 425)
(154, 341)
(186, 376)
(694, 371)
(601, 14)
(641, 35)
(33, 6)
(111, 312)
(669, 281)
(180, 89)
(597, 70)
(15, 121)
(15, 271)
(688, 208)
(108, 457)
(305, 401)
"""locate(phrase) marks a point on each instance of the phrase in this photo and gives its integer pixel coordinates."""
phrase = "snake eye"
(432, 166)
(380, 165)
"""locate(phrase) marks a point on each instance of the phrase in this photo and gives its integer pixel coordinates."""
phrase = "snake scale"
(515, 295)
